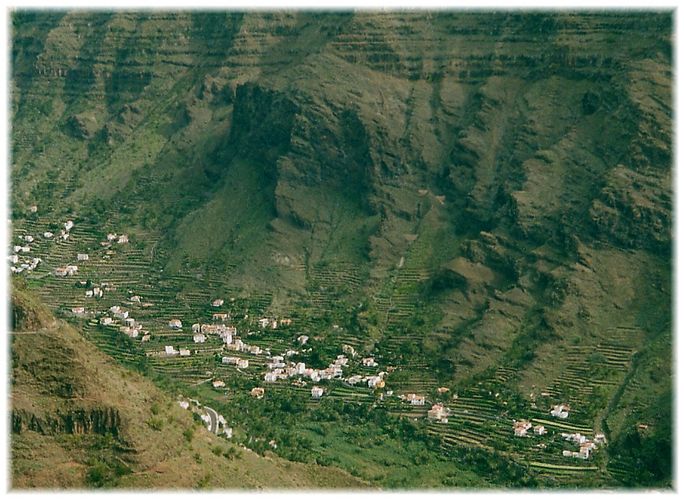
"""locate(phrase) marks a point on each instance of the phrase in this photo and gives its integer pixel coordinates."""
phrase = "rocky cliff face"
(78, 421)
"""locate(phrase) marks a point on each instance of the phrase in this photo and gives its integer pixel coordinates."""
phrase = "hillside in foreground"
(481, 202)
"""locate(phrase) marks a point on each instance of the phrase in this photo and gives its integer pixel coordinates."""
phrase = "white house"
(47, 235)
(82, 256)
(60, 271)
(229, 360)
(354, 379)
(303, 339)
(377, 381)
(78, 310)
(560, 411)
(184, 352)
(33, 209)
(438, 412)
(170, 351)
(68, 225)
(199, 338)
(220, 316)
(175, 324)
(131, 332)
(316, 392)
(123, 239)
(270, 377)
(416, 400)
(263, 322)
(217, 302)
(347, 349)
(369, 362)
(28, 238)
(184, 404)
(89, 293)
(540, 430)
(121, 314)
(135, 298)
(575, 437)
(243, 363)
(106, 320)
(111, 236)
(520, 427)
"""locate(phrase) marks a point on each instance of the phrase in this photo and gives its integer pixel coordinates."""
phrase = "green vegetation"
(480, 201)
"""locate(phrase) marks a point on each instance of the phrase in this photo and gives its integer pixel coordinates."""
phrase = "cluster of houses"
(373, 381)
(64, 233)
(112, 238)
(234, 360)
(169, 350)
(129, 326)
(69, 270)
(273, 323)
(521, 428)
(562, 411)
(96, 292)
(23, 264)
(279, 370)
(28, 264)
(413, 399)
(586, 446)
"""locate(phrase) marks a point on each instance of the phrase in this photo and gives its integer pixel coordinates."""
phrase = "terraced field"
(478, 418)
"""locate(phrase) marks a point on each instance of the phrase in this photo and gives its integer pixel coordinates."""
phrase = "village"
(218, 334)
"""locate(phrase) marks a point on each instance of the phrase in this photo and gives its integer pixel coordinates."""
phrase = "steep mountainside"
(477, 198)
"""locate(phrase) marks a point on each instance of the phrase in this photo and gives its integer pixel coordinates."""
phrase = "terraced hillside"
(79, 420)
(479, 201)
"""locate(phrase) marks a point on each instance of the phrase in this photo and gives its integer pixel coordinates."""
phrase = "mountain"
(482, 200)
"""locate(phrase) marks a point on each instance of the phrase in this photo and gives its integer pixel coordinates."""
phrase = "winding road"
(213, 416)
